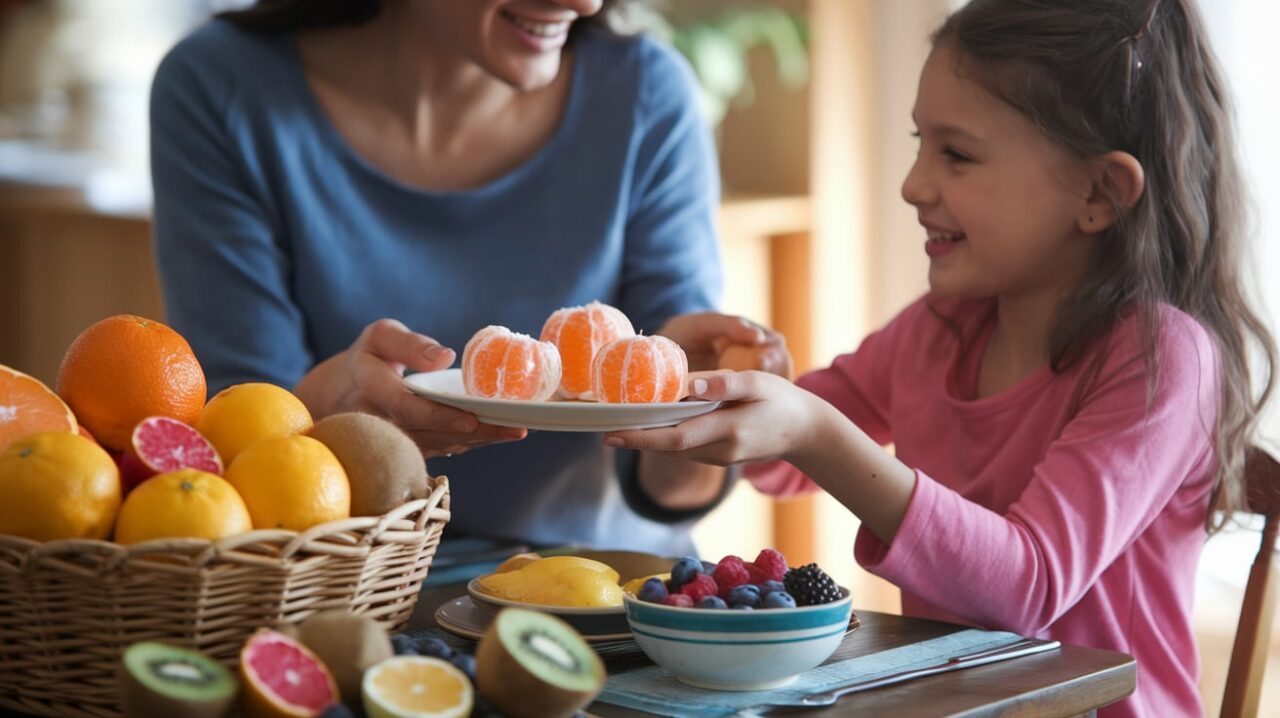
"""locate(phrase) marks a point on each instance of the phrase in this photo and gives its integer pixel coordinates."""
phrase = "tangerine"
(27, 406)
(291, 482)
(124, 368)
(498, 363)
(242, 414)
(640, 370)
(578, 333)
(187, 503)
(58, 485)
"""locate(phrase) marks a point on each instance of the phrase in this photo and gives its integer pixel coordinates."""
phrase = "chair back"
(1253, 633)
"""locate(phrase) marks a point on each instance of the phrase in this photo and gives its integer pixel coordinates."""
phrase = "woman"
(346, 190)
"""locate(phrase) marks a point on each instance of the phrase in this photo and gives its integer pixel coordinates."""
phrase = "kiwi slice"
(534, 665)
(161, 681)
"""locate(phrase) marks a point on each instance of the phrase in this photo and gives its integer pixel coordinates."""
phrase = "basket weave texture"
(68, 609)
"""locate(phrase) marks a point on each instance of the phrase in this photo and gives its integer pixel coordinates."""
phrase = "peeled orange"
(498, 363)
(578, 333)
(640, 369)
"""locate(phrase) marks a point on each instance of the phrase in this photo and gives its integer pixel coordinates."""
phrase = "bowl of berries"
(739, 626)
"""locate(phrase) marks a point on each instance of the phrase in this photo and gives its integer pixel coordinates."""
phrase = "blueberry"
(337, 710)
(711, 602)
(684, 571)
(778, 599)
(434, 647)
(404, 645)
(747, 594)
(743, 608)
(769, 587)
(652, 591)
(466, 663)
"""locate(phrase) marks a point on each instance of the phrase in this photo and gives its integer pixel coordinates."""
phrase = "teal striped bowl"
(730, 650)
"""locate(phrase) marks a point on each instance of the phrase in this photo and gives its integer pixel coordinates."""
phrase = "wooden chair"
(1253, 633)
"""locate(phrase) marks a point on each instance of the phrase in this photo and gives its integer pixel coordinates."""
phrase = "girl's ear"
(1117, 181)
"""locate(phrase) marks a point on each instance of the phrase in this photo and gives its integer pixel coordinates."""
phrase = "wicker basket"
(69, 608)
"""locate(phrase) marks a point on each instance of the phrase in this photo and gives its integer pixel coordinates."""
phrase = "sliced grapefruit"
(283, 679)
(164, 444)
(27, 407)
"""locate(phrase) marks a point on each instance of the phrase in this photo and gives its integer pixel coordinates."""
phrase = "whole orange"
(125, 368)
(242, 414)
(291, 482)
(58, 485)
(187, 503)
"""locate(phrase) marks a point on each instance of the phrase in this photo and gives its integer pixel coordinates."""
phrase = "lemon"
(242, 414)
(416, 687)
(291, 482)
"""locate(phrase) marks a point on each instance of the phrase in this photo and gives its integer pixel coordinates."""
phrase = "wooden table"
(1070, 681)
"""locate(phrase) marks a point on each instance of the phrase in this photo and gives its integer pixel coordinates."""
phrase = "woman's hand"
(368, 377)
(764, 417)
(706, 336)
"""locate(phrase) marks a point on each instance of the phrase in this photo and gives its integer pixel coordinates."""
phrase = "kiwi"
(385, 467)
(534, 665)
(348, 644)
(156, 680)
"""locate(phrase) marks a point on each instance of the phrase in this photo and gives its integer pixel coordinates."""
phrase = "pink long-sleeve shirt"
(1069, 506)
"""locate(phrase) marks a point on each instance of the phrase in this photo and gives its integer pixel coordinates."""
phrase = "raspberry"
(730, 572)
(678, 599)
(773, 564)
(701, 586)
(758, 574)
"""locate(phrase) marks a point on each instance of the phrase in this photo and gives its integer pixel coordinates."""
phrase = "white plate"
(445, 387)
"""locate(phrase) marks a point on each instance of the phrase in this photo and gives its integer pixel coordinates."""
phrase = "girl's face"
(998, 199)
(516, 41)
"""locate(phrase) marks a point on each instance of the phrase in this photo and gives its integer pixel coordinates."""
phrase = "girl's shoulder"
(1178, 347)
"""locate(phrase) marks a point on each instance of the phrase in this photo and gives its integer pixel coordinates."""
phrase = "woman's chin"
(528, 75)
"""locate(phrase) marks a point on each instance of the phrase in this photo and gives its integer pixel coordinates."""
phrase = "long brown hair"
(1139, 76)
(290, 15)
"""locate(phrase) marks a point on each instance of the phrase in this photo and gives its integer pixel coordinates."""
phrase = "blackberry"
(810, 585)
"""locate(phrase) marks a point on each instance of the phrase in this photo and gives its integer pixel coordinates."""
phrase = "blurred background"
(810, 101)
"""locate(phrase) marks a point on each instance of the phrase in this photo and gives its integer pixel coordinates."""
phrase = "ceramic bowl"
(734, 650)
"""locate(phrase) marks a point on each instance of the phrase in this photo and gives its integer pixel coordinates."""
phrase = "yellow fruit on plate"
(557, 581)
(58, 485)
(187, 503)
(242, 414)
(520, 560)
(417, 687)
(291, 482)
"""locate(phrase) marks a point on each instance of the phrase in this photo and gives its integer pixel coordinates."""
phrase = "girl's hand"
(368, 377)
(704, 335)
(764, 417)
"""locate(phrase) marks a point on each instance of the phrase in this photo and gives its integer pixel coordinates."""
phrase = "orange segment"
(640, 370)
(501, 364)
(27, 406)
(579, 333)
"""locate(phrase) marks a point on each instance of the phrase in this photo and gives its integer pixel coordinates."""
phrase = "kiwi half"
(156, 680)
(534, 665)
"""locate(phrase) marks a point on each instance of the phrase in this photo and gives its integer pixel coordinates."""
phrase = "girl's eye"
(955, 156)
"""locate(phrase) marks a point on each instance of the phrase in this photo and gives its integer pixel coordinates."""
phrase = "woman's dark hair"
(1139, 76)
(290, 15)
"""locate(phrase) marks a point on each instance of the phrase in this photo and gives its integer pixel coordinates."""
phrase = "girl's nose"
(916, 188)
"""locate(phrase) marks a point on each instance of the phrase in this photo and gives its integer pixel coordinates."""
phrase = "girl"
(1072, 398)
